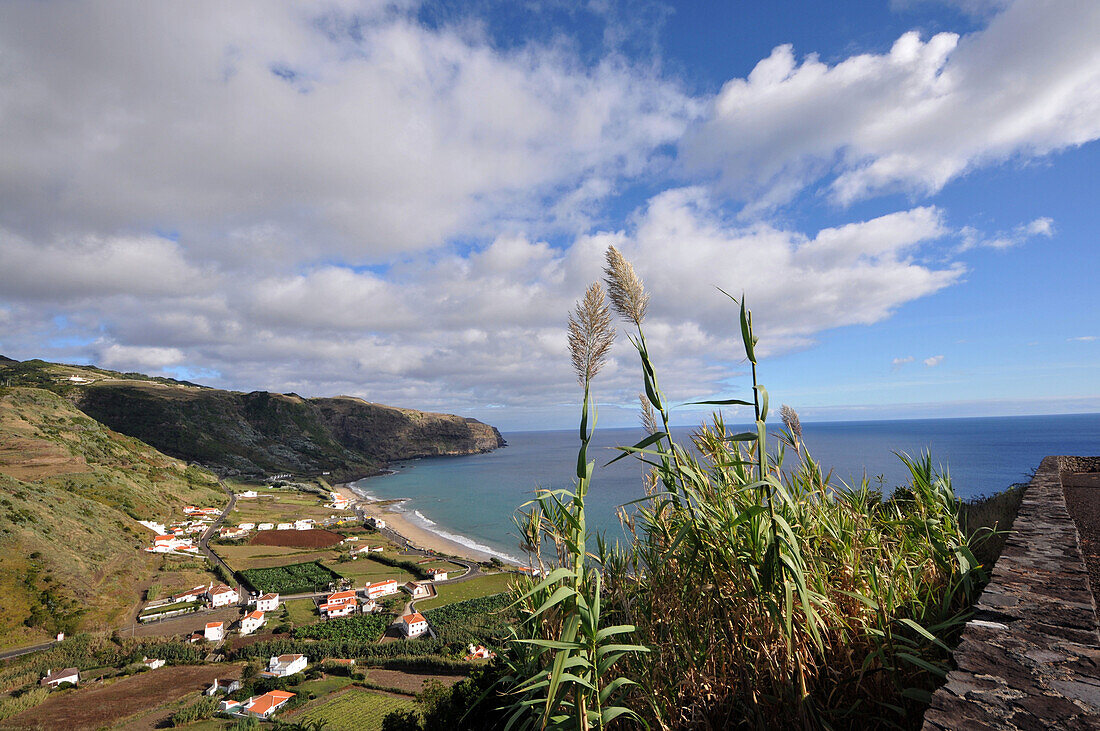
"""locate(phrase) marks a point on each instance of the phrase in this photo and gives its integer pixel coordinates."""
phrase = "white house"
(376, 523)
(341, 597)
(152, 662)
(248, 493)
(343, 609)
(169, 542)
(304, 524)
(232, 533)
(284, 665)
(154, 526)
(247, 526)
(382, 588)
(191, 594)
(68, 675)
(285, 526)
(223, 686)
(437, 575)
(268, 603)
(417, 591)
(413, 625)
(222, 596)
(266, 526)
(252, 622)
(265, 705)
(215, 631)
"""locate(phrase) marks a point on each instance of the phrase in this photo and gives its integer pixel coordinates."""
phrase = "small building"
(479, 652)
(230, 706)
(247, 526)
(190, 595)
(223, 686)
(341, 597)
(368, 606)
(265, 705)
(304, 524)
(284, 526)
(266, 526)
(152, 662)
(436, 574)
(53, 679)
(284, 665)
(268, 603)
(413, 625)
(376, 523)
(222, 596)
(340, 609)
(416, 590)
(248, 493)
(232, 533)
(382, 588)
(252, 622)
(214, 632)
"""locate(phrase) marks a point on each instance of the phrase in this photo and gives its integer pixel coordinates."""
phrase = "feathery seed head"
(649, 419)
(625, 288)
(590, 334)
(791, 421)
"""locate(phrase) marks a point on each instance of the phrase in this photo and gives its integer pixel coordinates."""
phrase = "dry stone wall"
(1030, 657)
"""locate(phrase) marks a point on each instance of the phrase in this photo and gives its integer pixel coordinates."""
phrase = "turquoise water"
(472, 499)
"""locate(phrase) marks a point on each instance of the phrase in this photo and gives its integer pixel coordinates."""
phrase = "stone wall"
(1030, 657)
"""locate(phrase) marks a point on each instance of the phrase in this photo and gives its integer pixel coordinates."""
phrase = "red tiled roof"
(271, 699)
(413, 618)
(255, 615)
(212, 625)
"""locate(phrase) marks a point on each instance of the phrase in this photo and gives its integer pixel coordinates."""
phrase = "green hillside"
(72, 489)
(258, 432)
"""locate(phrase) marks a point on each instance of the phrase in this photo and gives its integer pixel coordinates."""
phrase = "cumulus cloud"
(897, 363)
(343, 131)
(911, 119)
(972, 238)
(934, 361)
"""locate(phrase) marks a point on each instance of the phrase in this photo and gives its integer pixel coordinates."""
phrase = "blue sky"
(402, 201)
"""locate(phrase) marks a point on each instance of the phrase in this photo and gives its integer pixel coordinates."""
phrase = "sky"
(403, 201)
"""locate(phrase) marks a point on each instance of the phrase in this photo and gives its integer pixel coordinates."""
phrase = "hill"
(72, 490)
(259, 432)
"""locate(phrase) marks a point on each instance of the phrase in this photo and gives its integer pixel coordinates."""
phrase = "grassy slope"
(258, 432)
(72, 489)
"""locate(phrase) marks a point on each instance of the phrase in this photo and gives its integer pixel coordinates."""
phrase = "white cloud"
(910, 119)
(897, 363)
(127, 357)
(972, 238)
(1083, 339)
(934, 361)
(345, 131)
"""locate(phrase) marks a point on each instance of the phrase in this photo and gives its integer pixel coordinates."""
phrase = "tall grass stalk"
(767, 595)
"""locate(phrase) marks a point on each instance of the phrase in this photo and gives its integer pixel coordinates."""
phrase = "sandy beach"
(414, 534)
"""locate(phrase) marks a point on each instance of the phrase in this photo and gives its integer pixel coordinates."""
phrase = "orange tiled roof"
(268, 701)
(413, 618)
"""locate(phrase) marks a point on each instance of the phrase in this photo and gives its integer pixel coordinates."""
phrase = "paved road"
(9, 654)
(204, 542)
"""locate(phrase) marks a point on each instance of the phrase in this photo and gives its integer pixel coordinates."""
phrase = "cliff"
(258, 432)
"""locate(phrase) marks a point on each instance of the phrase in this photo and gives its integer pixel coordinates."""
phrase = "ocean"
(472, 499)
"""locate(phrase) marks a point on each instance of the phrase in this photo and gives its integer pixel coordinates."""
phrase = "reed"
(755, 591)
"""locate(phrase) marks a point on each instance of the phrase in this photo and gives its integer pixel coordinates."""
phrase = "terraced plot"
(352, 710)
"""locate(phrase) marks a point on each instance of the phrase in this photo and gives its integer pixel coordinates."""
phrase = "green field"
(293, 579)
(353, 710)
(463, 590)
(323, 687)
(302, 612)
(365, 571)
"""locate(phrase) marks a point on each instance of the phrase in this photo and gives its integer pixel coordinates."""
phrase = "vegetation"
(295, 578)
(359, 627)
(480, 621)
(200, 710)
(354, 709)
(463, 590)
(766, 596)
(70, 493)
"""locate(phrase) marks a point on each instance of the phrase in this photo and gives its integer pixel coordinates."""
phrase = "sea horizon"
(983, 455)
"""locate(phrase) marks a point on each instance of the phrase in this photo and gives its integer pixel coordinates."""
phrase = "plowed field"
(316, 538)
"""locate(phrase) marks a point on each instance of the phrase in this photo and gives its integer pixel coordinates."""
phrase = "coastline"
(409, 531)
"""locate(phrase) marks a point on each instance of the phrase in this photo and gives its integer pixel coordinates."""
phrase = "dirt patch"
(316, 538)
(100, 705)
(1084, 507)
(1081, 479)
(411, 683)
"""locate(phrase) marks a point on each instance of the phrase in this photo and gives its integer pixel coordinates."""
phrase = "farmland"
(353, 709)
(315, 538)
(478, 620)
(464, 590)
(296, 578)
(360, 627)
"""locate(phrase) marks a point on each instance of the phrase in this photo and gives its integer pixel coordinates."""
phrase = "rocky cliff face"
(263, 432)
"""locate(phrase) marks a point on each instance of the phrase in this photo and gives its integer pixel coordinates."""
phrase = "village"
(300, 563)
